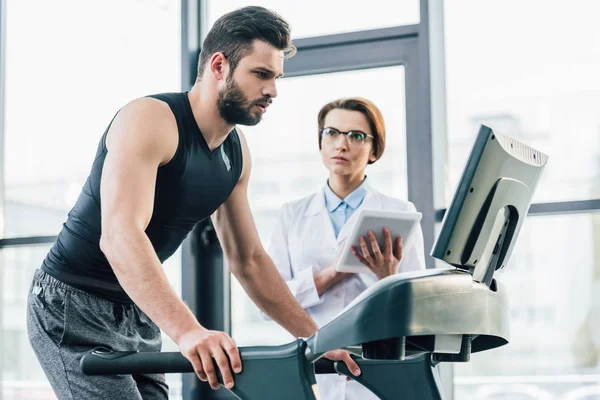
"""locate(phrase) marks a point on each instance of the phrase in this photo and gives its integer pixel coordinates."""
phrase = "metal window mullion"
(429, 152)
(373, 35)
(565, 207)
(190, 45)
(348, 56)
(26, 241)
(190, 26)
(2, 107)
(551, 208)
(2, 158)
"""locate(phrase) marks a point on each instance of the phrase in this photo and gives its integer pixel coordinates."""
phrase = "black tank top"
(189, 188)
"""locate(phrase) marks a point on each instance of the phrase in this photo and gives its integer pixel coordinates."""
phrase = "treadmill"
(402, 327)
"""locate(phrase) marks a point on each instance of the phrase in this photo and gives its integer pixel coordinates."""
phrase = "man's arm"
(249, 262)
(142, 137)
(255, 270)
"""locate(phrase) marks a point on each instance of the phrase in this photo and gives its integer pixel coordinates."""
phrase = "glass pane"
(553, 286)
(532, 78)
(314, 18)
(22, 377)
(66, 76)
(172, 268)
(286, 163)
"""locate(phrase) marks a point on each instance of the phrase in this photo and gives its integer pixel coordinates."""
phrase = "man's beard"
(235, 108)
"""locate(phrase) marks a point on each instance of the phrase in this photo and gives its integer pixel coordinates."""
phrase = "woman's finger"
(365, 250)
(387, 237)
(360, 258)
(375, 246)
(398, 249)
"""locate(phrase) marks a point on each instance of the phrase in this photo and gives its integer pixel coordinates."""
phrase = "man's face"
(251, 88)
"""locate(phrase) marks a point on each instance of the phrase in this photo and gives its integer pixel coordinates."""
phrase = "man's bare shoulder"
(150, 123)
(149, 112)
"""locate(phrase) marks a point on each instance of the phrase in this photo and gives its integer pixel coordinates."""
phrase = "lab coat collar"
(373, 200)
(354, 199)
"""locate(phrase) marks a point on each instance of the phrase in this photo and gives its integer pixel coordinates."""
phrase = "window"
(287, 162)
(529, 69)
(553, 286)
(21, 372)
(529, 77)
(313, 18)
(66, 77)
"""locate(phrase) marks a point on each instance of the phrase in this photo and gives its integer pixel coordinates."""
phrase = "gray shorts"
(64, 323)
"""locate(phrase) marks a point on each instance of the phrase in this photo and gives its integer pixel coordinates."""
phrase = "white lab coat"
(304, 242)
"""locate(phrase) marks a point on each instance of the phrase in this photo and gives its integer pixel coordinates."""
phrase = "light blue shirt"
(341, 210)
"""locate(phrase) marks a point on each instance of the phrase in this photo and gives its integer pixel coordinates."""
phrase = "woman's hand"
(381, 263)
(329, 277)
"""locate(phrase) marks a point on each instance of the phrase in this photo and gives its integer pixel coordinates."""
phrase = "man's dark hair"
(234, 33)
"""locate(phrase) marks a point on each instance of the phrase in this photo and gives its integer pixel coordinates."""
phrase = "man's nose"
(270, 89)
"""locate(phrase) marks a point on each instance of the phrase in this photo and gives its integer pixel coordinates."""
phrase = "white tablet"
(400, 223)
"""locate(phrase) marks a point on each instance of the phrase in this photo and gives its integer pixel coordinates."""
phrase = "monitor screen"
(491, 201)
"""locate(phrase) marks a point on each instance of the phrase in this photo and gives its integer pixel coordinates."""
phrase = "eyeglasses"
(355, 137)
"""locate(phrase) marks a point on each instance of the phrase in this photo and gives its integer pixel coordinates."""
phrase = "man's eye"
(261, 74)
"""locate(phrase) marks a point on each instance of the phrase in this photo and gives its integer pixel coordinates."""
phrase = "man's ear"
(218, 66)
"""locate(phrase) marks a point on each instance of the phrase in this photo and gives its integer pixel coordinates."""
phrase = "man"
(165, 163)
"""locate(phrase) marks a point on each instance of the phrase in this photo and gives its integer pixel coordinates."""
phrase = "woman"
(311, 232)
